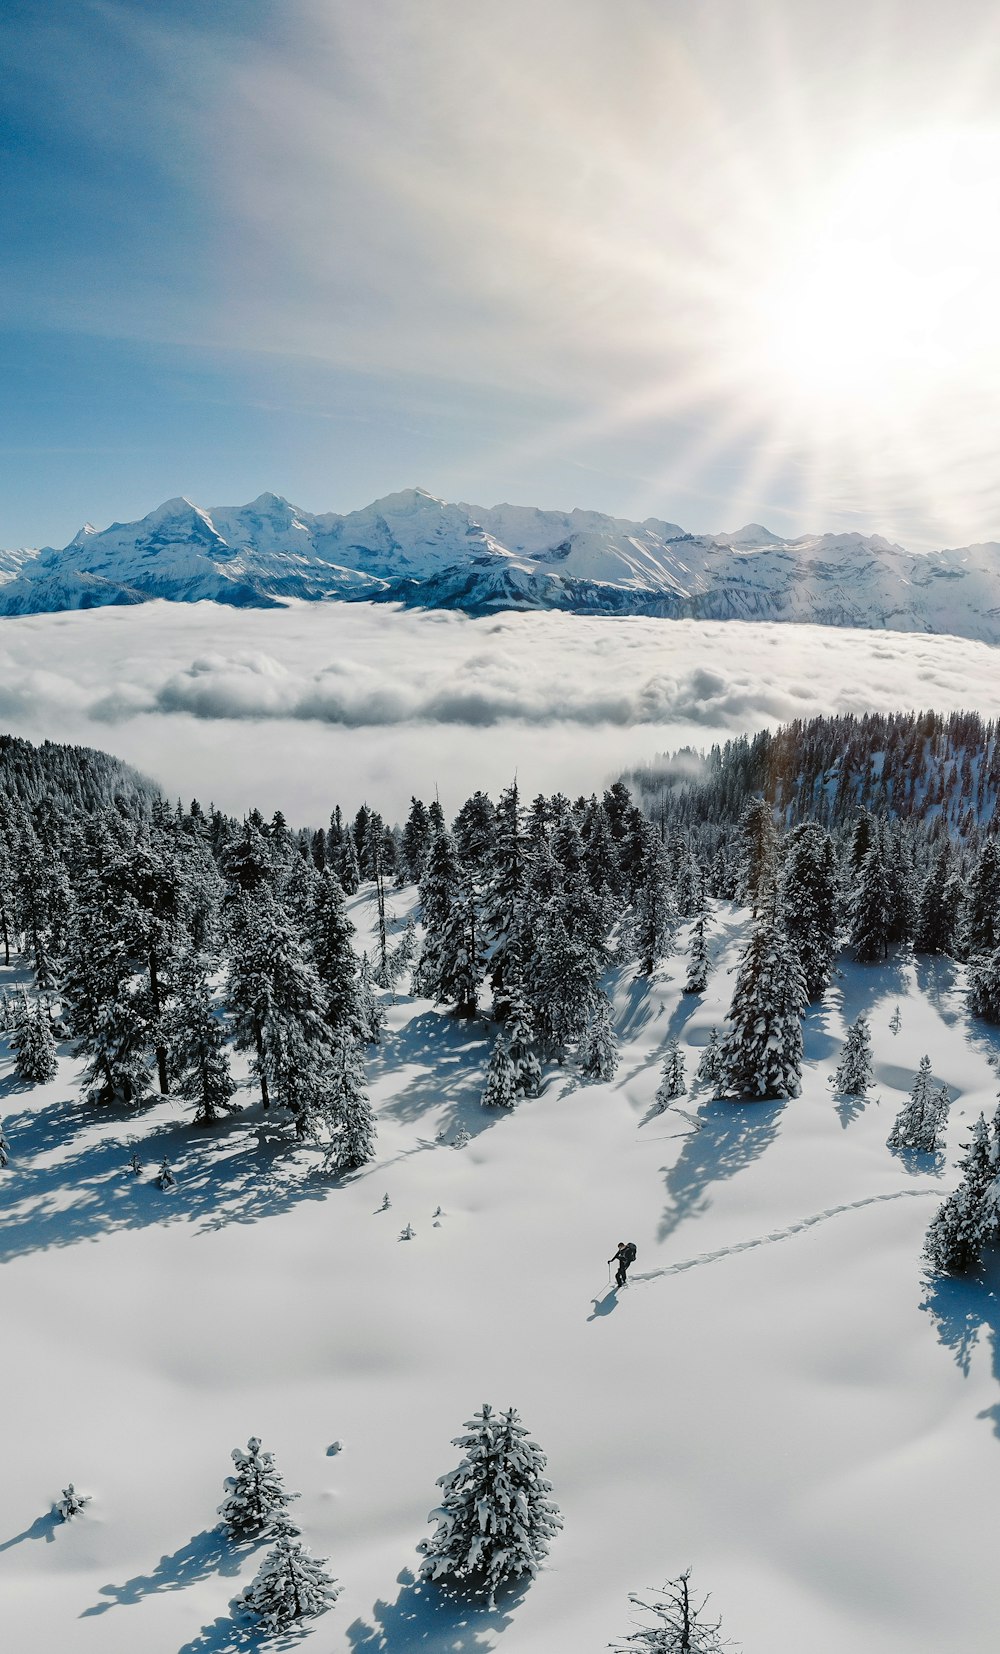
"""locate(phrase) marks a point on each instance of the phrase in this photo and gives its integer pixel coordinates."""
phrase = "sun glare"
(891, 291)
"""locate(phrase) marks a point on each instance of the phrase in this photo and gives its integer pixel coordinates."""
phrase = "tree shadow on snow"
(450, 1055)
(431, 1618)
(819, 1043)
(732, 1136)
(942, 981)
(851, 1108)
(962, 1308)
(679, 1017)
(227, 1635)
(204, 1554)
(43, 1527)
(236, 1172)
(867, 987)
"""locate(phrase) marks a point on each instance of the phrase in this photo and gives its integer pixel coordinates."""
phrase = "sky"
(709, 260)
(321, 704)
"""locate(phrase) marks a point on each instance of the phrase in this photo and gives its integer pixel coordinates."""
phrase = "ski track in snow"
(778, 1234)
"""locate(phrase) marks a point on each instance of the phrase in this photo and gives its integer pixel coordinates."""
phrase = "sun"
(890, 290)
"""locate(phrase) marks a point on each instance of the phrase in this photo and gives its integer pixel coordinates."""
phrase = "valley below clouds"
(325, 703)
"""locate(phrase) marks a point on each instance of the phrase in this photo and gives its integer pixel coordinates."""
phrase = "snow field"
(783, 1416)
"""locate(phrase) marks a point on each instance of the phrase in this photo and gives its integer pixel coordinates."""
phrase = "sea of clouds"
(323, 703)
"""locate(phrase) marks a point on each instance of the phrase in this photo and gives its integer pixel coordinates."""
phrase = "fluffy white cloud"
(324, 703)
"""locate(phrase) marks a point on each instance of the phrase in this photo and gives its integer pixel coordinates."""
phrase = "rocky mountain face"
(414, 549)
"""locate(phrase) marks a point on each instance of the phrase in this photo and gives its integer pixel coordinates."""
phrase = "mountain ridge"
(412, 548)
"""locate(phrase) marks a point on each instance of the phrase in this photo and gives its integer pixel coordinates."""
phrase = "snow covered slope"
(777, 1398)
(412, 548)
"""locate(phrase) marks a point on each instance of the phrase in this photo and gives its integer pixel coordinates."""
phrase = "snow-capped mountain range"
(414, 549)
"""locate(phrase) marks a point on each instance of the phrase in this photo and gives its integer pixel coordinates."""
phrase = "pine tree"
(936, 916)
(105, 1009)
(500, 1089)
(474, 833)
(119, 1051)
(597, 1052)
(199, 1065)
(671, 1076)
(757, 854)
(900, 882)
(290, 1586)
(710, 1067)
(249, 988)
(416, 841)
(459, 961)
(71, 1503)
(404, 953)
(560, 981)
(809, 903)
(921, 1121)
(330, 933)
(371, 1016)
(246, 862)
(762, 1050)
(298, 893)
(981, 914)
(349, 871)
(4, 1148)
(279, 1011)
(871, 909)
(256, 1496)
(495, 1520)
(519, 1037)
(966, 1221)
(698, 960)
(33, 1043)
(854, 1071)
(677, 1625)
(983, 978)
(346, 1108)
(439, 889)
(165, 1178)
(654, 923)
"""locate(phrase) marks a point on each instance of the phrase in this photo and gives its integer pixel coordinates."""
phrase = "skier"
(624, 1256)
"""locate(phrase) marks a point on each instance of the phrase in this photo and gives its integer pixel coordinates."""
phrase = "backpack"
(629, 1255)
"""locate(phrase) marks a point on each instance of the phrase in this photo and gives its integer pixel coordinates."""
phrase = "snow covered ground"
(777, 1398)
(319, 704)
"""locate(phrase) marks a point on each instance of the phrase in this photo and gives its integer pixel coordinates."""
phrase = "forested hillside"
(899, 764)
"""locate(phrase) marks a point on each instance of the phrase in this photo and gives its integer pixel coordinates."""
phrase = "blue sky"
(534, 253)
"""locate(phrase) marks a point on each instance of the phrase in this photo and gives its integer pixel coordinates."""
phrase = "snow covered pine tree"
(854, 1071)
(499, 1090)
(496, 1519)
(762, 1051)
(290, 1585)
(256, 1496)
(709, 1070)
(32, 1040)
(921, 1121)
(671, 1076)
(970, 1217)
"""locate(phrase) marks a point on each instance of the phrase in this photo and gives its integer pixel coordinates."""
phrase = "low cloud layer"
(320, 703)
